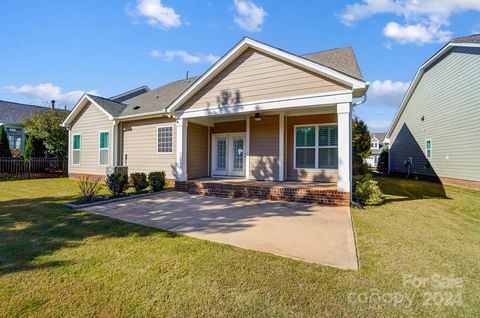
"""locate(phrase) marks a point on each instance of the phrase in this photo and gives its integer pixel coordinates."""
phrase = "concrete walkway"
(317, 234)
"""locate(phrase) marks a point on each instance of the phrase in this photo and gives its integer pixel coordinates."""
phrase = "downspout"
(363, 101)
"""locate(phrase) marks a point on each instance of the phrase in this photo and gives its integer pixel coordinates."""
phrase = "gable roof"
(246, 43)
(111, 107)
(341, 59)
(14, 113)
(156, 100)
(466, 41)
(379, 136)
(130, 94)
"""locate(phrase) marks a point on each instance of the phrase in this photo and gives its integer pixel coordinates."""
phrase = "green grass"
(55, 262)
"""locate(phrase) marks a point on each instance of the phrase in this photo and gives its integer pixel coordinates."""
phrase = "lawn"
(419, 255)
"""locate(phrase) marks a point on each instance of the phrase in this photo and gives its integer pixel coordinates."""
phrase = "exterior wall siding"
(256, 76)
(88, 124)
(321, 175)
(140, 147)
(197, 151)
(264, 148)
(448, 99)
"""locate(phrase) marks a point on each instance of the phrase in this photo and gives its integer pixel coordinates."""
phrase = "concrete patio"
(318, 234)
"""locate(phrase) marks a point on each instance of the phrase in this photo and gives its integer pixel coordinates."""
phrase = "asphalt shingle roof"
(474, 38)
(342, 60)
(113, 108)
(157, 99)
(14, 113)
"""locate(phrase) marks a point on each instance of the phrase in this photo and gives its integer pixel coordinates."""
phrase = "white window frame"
(426, 149)
(156, 139)
(79, 150)
(316, 147)
(99, 149)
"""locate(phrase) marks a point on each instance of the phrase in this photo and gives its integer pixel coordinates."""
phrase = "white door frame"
(229, 171)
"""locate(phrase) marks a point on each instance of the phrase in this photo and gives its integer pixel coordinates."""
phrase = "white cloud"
(47, 92)
(156, 13)
(424, 21)
(415, 33)
(378, 125)
(186, 57)
(249, 17)
(386, 93)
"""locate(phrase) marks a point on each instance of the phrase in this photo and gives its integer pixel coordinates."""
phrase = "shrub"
(157, 180)
(89, 187)
(382, 165)
(139, 181)
(366, 191)
(360, 169)
(34, 148)
(117, 183)
(4, 145)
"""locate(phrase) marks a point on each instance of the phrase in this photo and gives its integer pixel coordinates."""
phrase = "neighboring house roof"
(15, 113)
(466, 41)
(130, 94)
(379, 136)
(342, 59)
(158, 99)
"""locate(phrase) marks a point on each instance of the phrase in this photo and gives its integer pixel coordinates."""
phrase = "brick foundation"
(267, 192)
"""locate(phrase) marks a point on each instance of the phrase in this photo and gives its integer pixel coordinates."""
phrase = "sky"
(60, 49)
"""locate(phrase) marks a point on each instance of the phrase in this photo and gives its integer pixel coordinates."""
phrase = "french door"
(228, 154)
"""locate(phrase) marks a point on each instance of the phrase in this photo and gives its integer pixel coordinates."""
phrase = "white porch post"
(247, 148)
(115, 144)
(281, 147)
(181, 147)
(344, 113)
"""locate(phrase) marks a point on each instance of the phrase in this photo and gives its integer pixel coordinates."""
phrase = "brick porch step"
(267, 191)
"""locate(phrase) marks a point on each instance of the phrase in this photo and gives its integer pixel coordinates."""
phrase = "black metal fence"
(34, 168)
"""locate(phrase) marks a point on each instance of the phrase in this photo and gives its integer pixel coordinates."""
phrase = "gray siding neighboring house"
(437, 127)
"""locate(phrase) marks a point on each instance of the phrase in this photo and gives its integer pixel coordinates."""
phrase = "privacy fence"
(34, 168)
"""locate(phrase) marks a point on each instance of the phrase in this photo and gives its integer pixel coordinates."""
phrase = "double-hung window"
(428, 148)
(316, 147)
(104, 148)
(165, 139)
(76, 145)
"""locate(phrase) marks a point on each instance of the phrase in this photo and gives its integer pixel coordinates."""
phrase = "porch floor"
(293, 191)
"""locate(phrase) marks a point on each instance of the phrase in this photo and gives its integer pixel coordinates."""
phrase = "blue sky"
(60, 49)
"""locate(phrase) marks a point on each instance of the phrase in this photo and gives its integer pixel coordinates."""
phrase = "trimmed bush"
(139, 181)
(117, 183)
(34, 148)
(366, 191)
(89, 187)
(157, 180)
(360, 169)
(4, 145)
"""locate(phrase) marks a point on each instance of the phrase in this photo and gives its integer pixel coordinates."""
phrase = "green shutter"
(104, 140)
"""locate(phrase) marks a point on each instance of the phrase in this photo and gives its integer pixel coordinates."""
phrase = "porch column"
(181, 147)
(344, 113)
(115, 144)
(247, 148)
(281, 147)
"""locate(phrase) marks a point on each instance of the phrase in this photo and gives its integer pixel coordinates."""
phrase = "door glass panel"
(238, 153)
(222, 154)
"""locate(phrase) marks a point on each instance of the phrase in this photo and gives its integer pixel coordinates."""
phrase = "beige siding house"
(436, 130)
(259, 113)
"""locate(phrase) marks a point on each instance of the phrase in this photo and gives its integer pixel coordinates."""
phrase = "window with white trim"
(428, 148)
(316, 147)
(76, 145)
(165, 139)
(104, 148)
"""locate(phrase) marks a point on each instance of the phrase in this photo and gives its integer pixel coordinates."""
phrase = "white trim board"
(247, 43)
(329, 99)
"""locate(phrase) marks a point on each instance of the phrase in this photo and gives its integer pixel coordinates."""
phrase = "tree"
(382, 165)
(46, 126)
(34, 148)
(4, 145)
(361, 143)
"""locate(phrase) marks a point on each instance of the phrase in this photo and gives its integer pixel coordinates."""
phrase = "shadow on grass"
(30, 228)
(398, 188)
